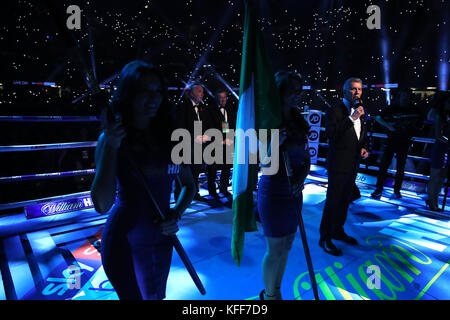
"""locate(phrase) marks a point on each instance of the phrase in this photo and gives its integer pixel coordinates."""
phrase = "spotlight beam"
(219, 77)
(322, 98)
(443, 51)
(115, 75)
(211, 42)
(91, 48)
(193, 49)
(72, 43)
(59, 67)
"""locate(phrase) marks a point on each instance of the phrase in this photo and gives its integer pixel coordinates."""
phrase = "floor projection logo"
(394, 271)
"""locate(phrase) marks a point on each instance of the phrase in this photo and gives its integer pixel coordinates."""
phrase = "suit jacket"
(217, 117)
(186, 117)
(344, 148)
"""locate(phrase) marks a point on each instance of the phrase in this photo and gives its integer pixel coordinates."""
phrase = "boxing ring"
(44, 239)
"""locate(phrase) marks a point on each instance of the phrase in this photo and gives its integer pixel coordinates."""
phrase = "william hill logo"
(60, 207)
(57, 207)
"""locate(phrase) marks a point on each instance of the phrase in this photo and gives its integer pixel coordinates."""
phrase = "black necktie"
(196, 112)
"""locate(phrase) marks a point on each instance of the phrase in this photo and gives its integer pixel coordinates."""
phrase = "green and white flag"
(259, 108)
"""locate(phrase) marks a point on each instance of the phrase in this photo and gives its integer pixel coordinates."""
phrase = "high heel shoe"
(430, 207)
(261, 295)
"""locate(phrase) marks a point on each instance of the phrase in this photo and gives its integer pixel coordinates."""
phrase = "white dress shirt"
(224, 113)
(196, 109)
(357, 122)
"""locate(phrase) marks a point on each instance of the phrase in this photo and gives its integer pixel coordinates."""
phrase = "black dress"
(136, 256)
(277, 206)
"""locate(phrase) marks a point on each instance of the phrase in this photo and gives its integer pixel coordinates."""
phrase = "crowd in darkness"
(48, 101)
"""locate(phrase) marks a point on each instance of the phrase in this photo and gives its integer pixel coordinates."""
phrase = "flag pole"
(173, 238)
(301, 228)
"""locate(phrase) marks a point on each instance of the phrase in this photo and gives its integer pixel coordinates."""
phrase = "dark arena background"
(55, 81)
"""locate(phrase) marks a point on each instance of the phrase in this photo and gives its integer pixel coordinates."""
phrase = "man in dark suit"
(193, 110)
(347, 144)
(224, 119)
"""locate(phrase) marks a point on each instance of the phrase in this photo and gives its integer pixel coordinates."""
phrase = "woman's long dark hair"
(120, 106)
(295, 122)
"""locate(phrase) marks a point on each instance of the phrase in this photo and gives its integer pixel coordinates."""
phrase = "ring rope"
(49, 119)
(47, 175)
(51, 146)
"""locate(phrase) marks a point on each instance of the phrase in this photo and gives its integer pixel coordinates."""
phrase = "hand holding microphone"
(115, 132)
(359, 110)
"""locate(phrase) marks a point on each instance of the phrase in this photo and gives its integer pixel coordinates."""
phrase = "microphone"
(359, 103)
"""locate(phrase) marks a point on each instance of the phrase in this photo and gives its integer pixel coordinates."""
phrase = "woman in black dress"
(279, 198)
(136, 248)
